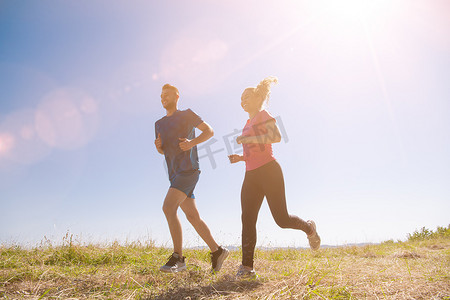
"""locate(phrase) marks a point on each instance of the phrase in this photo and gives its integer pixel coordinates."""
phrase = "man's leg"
(190, 209)
(172, 201)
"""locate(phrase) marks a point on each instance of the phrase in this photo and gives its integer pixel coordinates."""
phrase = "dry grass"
(410, 270)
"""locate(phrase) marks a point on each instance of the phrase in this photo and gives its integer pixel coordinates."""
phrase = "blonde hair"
(170, 87)
(263, 89)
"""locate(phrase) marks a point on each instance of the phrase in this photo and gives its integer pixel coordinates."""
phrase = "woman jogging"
(263, 176)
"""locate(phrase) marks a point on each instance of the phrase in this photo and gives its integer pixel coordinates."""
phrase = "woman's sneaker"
(174, 264)
(246, 273)
(217, 259)
(313, 238)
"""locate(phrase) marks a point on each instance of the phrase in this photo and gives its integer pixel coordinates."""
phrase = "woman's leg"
(251, 200)
(273, 185)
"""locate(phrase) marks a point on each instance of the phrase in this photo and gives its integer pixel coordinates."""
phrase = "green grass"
(418, 268)
(425, 234)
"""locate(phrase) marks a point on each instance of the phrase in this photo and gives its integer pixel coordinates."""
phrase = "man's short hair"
(170, 87)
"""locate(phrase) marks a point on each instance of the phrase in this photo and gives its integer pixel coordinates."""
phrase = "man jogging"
(175, 138)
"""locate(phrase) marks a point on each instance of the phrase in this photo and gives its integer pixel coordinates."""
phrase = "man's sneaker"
(313, 238)
(217, 259)
(174, 264)
(246, 273)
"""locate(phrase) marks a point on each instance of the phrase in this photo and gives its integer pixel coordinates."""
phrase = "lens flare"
(194, 61)
(19, 141)
(67, 118)
(6, 143)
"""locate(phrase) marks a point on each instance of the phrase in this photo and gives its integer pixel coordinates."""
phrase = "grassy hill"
(418, 268)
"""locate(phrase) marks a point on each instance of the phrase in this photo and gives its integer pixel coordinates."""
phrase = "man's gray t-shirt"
(181, 124)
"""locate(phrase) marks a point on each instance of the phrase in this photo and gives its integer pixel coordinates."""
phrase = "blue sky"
(363, 97)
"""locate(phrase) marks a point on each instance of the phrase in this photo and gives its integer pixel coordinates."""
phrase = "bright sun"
(349, 17)
(361, 9)
(354, 11)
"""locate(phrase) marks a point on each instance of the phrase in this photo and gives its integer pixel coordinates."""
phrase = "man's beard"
(170, 106)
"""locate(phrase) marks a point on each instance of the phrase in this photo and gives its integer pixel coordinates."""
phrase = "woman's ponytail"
(263, 88)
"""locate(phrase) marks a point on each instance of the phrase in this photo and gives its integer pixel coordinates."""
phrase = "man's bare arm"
(207, 133)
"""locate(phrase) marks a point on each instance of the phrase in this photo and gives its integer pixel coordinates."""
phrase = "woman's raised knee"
(283, 223)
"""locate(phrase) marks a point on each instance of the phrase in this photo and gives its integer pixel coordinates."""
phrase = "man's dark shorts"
(186, 182)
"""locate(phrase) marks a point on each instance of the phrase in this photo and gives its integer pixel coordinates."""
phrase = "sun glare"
(353, 12)
(359, 9)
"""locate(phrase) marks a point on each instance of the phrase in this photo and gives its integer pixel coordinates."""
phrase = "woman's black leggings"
(268, 181)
